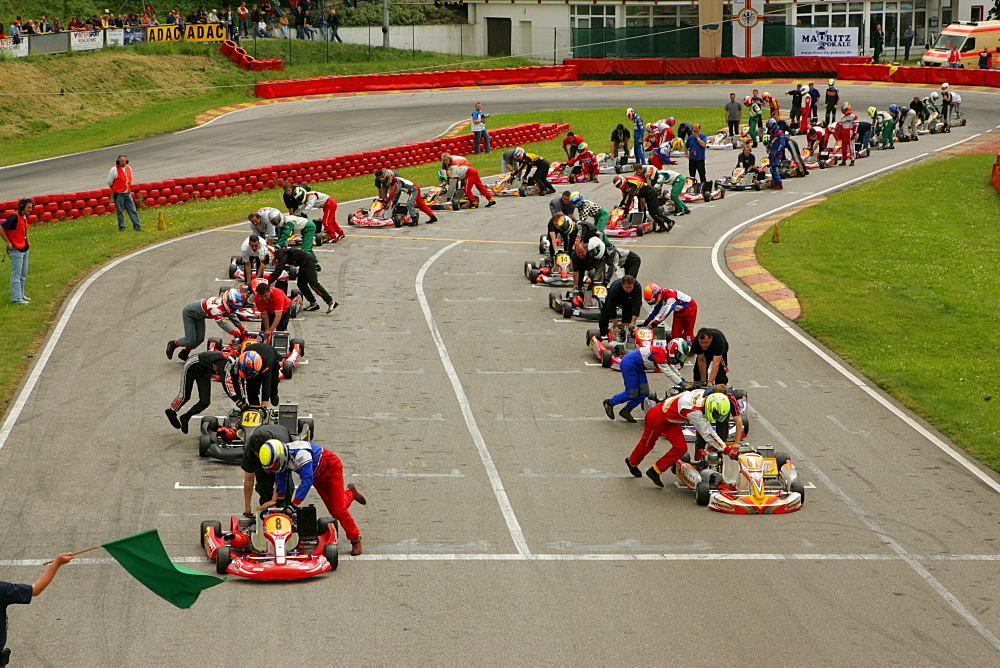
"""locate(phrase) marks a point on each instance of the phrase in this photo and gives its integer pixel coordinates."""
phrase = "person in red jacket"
(570, 143)
(14, 232)
(274, 308)
(120, 182)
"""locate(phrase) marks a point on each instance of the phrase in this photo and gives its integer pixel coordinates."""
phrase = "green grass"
(898, 276)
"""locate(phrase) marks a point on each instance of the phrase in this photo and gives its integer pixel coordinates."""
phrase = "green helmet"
(716, 407)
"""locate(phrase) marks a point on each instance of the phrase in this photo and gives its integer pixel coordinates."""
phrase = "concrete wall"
(454, 38)
(538, 31)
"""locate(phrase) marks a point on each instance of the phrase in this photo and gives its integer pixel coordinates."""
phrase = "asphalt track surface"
(501, 526)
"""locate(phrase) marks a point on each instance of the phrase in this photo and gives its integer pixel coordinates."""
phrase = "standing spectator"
(243, 15)
(793, 114)
(620, 138)
(695, 151)
(878, 40)
(814, 97)
(11, 594)
(734, 114)
(333, 24)
(985, 57)
(74, 23)
(120, 180)
(283, 26)
(954, 57)
(14, 231)
(908, 36)
(479, 133)
(226, 19)
(43, 25)
(254, 16)
(15, 30)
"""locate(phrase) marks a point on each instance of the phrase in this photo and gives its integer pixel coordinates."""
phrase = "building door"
(527, 45)
(497, 37)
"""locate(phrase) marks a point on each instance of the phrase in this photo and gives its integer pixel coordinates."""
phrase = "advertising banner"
(12, 50)
(210, 32)
(114, 37)
(135, 35)
(826, 41)
(164, 33)
(86, 40)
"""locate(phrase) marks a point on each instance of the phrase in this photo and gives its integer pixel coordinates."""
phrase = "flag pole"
(89, 549)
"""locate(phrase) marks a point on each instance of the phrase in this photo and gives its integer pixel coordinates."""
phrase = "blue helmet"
(575, 198)
(893, 109)
(233, 299)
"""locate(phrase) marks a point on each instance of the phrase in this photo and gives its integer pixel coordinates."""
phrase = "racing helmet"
(771, 125)
(250, 363)
(830, 82)
(618, 181)
(518, 153)
(803, 89)
(273, 455)
(945, 86)
(381, 174)
(595, 248)
(649, 127)
(658, 355)
(678, 350)
(747, 100)
(767, 97)
(442, 176)
(717, 406)
(582, 146)
(589, 209)
(233, 299)
(630, 112)
(893, 108)
(872, 111)
(845, 107)
(257, 282)
(651, 293)
(671, 120)
(575, 198)
(935, 96)
(564, 224)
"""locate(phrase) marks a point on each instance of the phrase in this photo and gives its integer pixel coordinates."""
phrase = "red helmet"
(651, 293)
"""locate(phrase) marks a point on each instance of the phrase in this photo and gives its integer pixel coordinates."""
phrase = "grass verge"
(898, 277)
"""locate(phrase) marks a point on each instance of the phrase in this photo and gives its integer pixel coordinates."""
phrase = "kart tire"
(213, 343)
(797, 486)
(209, 423)
(702, 493)
(324, 523)
(653, 398)
(639, 231)
(287, 369)
(294, 293)
(722, 193)
(606, 358)
(554, 300)
(780, 458)
(532, 274)
(301, 344)
(318, 239)
(528, 264)
(233, 269)
(397, 221)
(330, 552)
(567, 310)
(591, 333)
(456, 204)
(306, 425)
(522, 191)
(293, 273)
(223, 557)
(204, 443)
(756, 185)
(350, 219)
(541, 245)
(210, 524)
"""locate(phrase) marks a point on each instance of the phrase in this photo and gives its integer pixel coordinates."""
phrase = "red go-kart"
(378, 214)
(285, 544)
(290, 351)
(611, 348)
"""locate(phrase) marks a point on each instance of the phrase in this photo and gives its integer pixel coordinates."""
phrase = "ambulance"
(969, 37)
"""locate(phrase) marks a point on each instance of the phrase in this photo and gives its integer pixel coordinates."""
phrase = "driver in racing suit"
(265, 221)
(595, 212)
(199, 368)
(638, 133)
(675, 181)
(775, 152)
(221, 309)
(846, 128)
(251, 378)
(317, 468)
(908, 123)
(666, 419)
(470, 175)
(299, 201)
(391, 187)
(633, 187)
(885, 127)
(540, 175)
(666, 301)
(296, 225)
(561, 227)
(634, 366)
(587, 160)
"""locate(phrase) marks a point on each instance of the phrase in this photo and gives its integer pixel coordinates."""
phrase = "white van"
(970, 38)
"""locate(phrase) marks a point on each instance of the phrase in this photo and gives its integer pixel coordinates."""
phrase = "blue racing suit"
(775, 152)
(637, 140)
(634, 366)
(303, 458)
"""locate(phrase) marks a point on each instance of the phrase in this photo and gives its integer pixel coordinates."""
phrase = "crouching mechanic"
(273, 306)
(470, 175)
(666, 301)
(264, 222)
(391, 187)
(307, 279)
(251, 379)
(601, 257)
(634, 366)
(255, 478)
(666, 419)
(221, 309)
(297, 225)
(199, 368)
(299, 201)
(633, 187)
(316, 467)
(622, 294)
(255, 256)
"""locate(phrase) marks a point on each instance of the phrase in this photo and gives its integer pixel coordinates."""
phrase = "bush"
(370, 14)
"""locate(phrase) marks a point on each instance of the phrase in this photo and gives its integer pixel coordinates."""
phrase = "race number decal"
(277, 524)
(251, 418)
(600, 291)
(562, 258)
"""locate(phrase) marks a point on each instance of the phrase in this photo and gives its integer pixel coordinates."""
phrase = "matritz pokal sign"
(826, 41)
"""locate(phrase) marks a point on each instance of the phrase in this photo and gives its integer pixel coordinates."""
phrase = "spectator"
(283, 26)
(908, 35)
(120, 180)
(878, 40)
(261, 30)
(620, 138)
(300, 14)
(985, 57)
(307, 24)
(15, 30)
(226, 19)
(333, 23)
(213, 16)
(954, 58)
(734, 114)
(814, 106)
(192, 18)
(56, 26)
(43, 25)
(2, 33)
(14, 231)
(147, 15)
(11, 593)
(254, 15)
(695, 151)
(74, 23)
(479, 133)
(243, 14)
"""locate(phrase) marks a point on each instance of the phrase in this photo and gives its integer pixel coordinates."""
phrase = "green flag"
(144, 556)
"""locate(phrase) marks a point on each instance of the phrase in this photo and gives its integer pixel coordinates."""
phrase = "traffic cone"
(161, 223)
(775, 233)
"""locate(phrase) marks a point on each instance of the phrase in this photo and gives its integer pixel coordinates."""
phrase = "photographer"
(479, 133)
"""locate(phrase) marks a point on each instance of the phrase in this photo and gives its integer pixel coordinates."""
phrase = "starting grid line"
(642, 556)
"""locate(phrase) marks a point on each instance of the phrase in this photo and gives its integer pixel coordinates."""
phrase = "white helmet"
(518, 153)
(595, 248)
(945, 86)
(630, 112)
(803, 89)
(935, 96)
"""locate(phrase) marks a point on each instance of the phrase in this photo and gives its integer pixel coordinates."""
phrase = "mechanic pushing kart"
(537, 166)
(633, 187)
(634, 366)
(301, 200)
(307, 278)
(391, 187)
(295, 225)
(220, 309)
(265, 221)
(470, 175)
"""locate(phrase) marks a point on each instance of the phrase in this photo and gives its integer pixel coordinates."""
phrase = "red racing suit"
(846, 129)
(667, 419)
(684, 309)
(804, 113)
(471, 176)
(587, 160)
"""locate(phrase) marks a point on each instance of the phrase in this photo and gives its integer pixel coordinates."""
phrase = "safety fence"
(409, 80)
(177, 191)
(676, 68)
(919, 75)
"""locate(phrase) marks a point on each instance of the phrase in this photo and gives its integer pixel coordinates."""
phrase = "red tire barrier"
(236, 55)
(920, 75)
(661, 68)
(996, 174)
(227, 47)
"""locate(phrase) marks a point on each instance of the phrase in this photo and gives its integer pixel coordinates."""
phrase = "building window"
(592, 16)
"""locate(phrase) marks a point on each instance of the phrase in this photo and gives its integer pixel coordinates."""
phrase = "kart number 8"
(275, 524)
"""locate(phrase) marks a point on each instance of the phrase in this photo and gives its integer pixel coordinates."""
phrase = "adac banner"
(86, 40)
(208, 32)
(826, 41)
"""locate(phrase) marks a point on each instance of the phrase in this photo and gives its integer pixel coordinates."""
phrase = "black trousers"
(308, 281)
(282, 324)
(194, 375)
(697, 167)
(734, 128)
(541, 177)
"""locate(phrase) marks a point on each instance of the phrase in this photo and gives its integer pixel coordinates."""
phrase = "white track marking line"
(513, 526)
(791, 330)
(177, 485)
(886, 539)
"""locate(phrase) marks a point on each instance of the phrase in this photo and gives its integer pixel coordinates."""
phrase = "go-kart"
(611, 348)
(584, 303)
(275, 544)
(633, 224)
(556, 271)
(760, 481)
(378, 215)
(789, 169)
(237, 270)
(575, 175)
(701, 192)
(290, 351)
(728, 425)
(223, 437)
(449, 197)
(755, 178)
(722, 141)
(609, 165)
